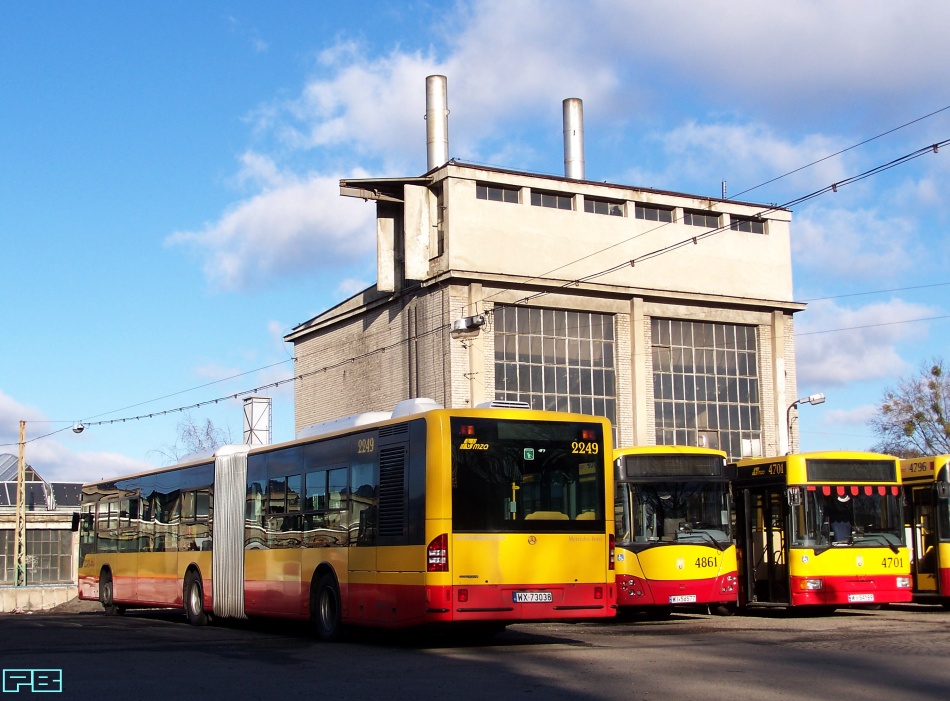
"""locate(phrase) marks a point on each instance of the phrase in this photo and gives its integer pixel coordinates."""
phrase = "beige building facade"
(670, 314)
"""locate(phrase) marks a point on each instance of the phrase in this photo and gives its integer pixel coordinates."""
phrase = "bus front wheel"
(193, 594)
(106, 594)
(325, 609)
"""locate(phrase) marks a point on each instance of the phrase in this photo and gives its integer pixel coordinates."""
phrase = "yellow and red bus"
(485, 516)
(823, 529)
(674, 530)
(927, 496)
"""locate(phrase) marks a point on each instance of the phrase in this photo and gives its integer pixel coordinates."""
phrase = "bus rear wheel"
(325, 609)
(723, 609)
(193, 595)
(106, 594)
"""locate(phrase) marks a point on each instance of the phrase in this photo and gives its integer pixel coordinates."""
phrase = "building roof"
(8, 469)
(40, 494)
(391, 189)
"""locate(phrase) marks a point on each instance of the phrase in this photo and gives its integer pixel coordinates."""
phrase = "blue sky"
(169, 201)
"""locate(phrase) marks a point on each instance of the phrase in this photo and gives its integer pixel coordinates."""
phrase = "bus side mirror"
(794, 496)
(76, 518)
(943, 490)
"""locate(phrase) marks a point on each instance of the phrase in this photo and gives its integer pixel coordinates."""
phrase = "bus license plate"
(533, 597)
(684, 599)
(860, 598)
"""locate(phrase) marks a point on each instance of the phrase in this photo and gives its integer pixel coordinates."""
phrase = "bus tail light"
(437, 554)
(463, 596)
(612, 548)
(903, 582)
(811, 584)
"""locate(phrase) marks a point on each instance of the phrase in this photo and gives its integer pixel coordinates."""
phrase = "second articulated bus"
(478, 516)
(674, 530)
(821, 529)
(927, 493)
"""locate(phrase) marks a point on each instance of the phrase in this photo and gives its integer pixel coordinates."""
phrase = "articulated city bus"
(674, 530)
(821, 529)
(487, 516)
(927, 494)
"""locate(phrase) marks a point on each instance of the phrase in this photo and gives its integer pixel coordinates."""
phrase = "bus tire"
(193, 595)
(723, 609)
(325, 609)
(106, 595)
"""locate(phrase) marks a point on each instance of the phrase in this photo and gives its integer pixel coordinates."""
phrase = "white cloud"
(351, 286)
(57, 463)
(858, 416)
(509, 66)
(837, 345)
(295, 226)
(856, 243)
(51, 459)
(789, 53)
(751, 153)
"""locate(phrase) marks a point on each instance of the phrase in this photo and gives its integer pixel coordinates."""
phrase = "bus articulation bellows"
(487, 516)
(674, 530)
(927, 493)
(821, 529)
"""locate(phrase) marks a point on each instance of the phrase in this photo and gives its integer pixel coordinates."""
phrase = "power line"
(871, 326)
(438, 329)
(694, 240)
(877, 292)
(844, 150)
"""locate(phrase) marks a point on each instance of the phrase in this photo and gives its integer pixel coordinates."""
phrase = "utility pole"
(19, 575)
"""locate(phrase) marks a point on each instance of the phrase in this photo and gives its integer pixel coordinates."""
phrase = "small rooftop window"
(749, 224)
(496, 193)
(649, 213)
(595, 206)
(551, 199)
(709, 221)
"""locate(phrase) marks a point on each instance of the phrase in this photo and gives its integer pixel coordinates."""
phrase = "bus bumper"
(850, 590)
(638, 592)
(508, 602)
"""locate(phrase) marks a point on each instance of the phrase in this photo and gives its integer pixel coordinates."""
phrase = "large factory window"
(706, 385)
(556, 360)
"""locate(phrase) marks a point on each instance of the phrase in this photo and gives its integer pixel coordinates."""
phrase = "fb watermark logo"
(32, 680)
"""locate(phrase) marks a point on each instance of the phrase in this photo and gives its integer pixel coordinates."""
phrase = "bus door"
(924, 541)
(765, 553)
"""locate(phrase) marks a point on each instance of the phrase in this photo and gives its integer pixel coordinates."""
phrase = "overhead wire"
(438, 329)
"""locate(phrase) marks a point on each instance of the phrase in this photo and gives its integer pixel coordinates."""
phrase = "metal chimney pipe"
(574, 138)
(437, 121)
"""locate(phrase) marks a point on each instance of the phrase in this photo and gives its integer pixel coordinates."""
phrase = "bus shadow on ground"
(407, 638)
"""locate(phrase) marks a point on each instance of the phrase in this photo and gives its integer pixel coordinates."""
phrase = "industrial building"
(670, 314)
(51, 540)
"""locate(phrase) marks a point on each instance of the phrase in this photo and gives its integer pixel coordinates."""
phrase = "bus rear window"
(527, 476)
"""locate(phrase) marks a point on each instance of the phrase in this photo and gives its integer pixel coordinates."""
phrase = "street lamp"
(812, 399)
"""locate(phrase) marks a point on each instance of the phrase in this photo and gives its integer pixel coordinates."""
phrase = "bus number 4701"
(891, 562)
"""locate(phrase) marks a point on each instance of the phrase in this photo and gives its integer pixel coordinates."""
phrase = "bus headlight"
(903, 582)
(811, 584)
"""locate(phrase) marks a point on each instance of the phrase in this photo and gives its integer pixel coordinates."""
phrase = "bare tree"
(912, 418)
(194, 437)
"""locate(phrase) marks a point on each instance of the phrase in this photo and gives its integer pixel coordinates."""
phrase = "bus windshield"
(525, 476)
(677, 512)
(841, 520)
